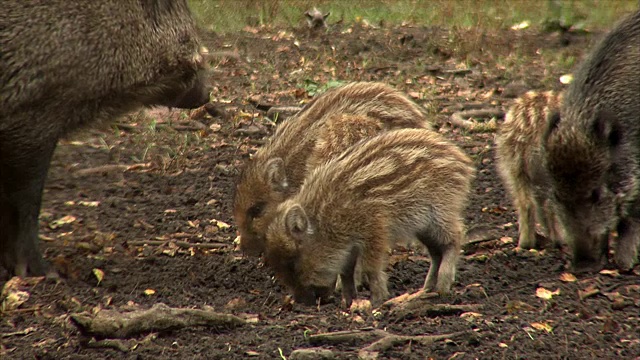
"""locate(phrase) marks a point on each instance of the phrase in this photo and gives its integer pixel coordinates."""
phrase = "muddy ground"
(167, 179)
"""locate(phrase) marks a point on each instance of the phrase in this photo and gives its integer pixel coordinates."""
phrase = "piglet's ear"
(297, 223)
(606, 128)
(276, 176)
(325, 16)
(308, 15)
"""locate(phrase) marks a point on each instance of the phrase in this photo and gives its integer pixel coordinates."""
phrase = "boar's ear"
(552, 124)
(606, 128)
(276, 177)
(296, 222)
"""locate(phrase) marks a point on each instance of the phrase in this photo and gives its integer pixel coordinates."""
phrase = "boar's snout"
(310, 295)
(196, 96)
(590, 253)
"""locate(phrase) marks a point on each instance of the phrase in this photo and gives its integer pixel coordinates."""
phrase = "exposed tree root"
(113, 324)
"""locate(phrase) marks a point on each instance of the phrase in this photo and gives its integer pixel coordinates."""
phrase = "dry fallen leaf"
(149, 292)
(568, 277)
(591, 290)
(62, 221)
(546, 294)
(14, 299)
(517, 305)
(220, 224)
(236, 303)
(521, 26)
(506, 240)
(89, 203)
(99, 274)
(612, 273)
(361, 306)
(542, 326)
(470, 314)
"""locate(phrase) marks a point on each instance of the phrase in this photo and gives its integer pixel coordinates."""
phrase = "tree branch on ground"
(419, 304)
(113, 324)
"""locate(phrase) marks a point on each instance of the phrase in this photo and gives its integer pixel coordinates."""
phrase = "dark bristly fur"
(593, 150)
(316, 19)
(67, 63)
(401, 184)
(520, 164)
(277, 170)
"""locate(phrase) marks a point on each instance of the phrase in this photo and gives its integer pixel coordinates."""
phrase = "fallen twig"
(314, 353)
(109, 344)
(21, 311)
(118, 168)
(419, 304)
(583, 294)
(351, 337)
(113, 324)
(26, 331)
(191, 125)
(182, 244)
(380, 340)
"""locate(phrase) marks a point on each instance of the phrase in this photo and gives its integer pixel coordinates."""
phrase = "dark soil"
(181, 184)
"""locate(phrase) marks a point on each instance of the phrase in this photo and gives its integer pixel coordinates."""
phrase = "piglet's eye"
(256, 210)
(595, 196)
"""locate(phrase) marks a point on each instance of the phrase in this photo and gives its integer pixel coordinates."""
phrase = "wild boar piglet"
(276, 170)
(520, 164)
(402, 184)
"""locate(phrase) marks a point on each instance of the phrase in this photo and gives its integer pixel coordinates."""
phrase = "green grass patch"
(232, 15)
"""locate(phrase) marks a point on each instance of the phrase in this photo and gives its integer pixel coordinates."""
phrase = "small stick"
(109, 344)
(26, 331)
(182, 244)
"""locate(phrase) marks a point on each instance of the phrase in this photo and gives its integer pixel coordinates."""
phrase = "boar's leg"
(552, 224)
(347, 277)
(546, 217)
(526, 219)
(444, 247)
(628, 243)
(374, 261)
(436, 260)
(25, 154)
